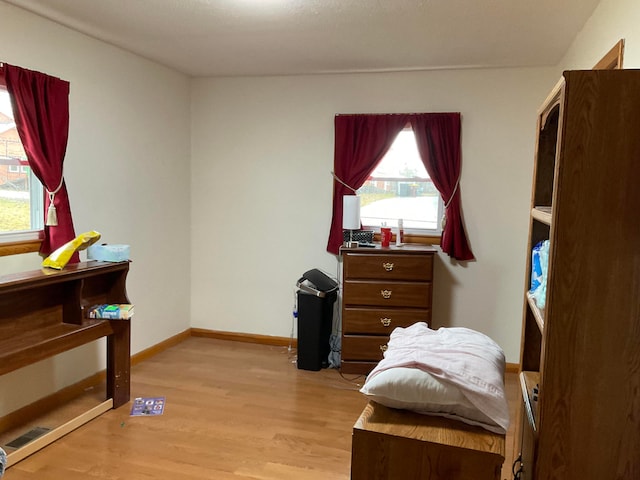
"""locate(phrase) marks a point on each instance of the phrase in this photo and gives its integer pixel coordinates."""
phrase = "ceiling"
(283, 37)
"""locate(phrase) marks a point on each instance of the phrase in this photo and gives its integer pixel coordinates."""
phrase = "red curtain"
(438, 140)
(41, 110)
(360, 143)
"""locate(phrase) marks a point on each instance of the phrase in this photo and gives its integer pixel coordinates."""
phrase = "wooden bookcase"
(580, 355)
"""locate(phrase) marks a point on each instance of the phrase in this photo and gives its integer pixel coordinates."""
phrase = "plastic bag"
(3, 461)
(539, 269)
(62, 255)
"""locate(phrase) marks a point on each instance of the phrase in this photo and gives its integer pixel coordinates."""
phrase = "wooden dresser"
(383, 288)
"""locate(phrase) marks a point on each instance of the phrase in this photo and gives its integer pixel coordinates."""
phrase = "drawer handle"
(383, 348)
(385, 293)
(387, 266)
(385, 321)
(517, 474)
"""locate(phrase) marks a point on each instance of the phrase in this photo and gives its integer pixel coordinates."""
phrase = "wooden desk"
(390, 444)
(44, 313)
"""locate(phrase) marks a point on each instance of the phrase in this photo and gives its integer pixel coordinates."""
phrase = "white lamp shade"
(351, 212)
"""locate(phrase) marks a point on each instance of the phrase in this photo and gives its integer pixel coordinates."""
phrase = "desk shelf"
(27, 347)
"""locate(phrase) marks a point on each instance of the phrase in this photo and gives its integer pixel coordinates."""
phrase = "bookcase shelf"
(542, 214)
(529, 381)
(537, 312)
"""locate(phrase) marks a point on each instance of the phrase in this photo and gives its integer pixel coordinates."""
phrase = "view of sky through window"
(400, 188)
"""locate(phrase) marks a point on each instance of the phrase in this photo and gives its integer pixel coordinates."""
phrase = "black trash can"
(317, 294)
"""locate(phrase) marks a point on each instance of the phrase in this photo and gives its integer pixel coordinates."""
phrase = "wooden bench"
(44, 313)
(390, 444)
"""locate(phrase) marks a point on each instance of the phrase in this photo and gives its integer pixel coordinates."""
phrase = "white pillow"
(419, 391)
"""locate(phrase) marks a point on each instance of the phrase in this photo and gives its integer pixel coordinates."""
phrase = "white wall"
(262, 152)
(127, 172)
(611, 21)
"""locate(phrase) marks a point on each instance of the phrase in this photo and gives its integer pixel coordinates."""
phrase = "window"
(21, 194)
(400, 188)
(361, 143)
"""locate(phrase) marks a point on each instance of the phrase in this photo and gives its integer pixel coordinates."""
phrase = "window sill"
(422, 239)
(414, 238)
(17, 248)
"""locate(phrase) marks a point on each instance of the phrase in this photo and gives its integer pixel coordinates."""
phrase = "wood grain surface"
(233, 410)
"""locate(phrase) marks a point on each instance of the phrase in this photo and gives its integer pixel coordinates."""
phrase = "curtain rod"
(356, 114)
(389, 114)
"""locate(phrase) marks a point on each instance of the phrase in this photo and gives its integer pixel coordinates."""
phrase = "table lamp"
(351, 216)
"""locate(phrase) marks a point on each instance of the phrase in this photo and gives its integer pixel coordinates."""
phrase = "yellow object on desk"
(62, 255)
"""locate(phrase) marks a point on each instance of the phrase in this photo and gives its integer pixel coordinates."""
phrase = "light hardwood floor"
(233, 411)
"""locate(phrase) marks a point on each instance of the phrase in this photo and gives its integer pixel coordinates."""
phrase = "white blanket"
(462, 357)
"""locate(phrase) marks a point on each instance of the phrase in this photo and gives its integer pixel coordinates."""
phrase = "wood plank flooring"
(233, 411)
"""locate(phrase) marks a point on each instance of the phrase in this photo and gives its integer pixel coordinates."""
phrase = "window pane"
(402, 160)
(21, 200)
(400, 188)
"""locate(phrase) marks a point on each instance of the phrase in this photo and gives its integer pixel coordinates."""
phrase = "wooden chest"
(390, 444)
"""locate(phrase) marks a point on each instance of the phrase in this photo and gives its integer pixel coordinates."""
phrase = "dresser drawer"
(387, 294)
(388, 267)
(364, 347)
(380, 321)
(360, 367)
